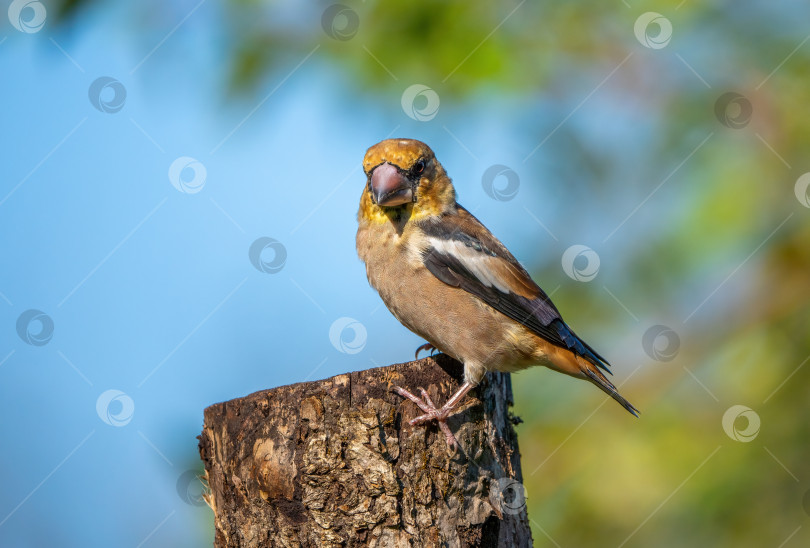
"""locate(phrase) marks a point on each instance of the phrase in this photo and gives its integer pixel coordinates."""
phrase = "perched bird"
(449, 280)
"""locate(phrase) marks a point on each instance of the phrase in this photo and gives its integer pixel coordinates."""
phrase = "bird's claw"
(431, 414)
(427, 347)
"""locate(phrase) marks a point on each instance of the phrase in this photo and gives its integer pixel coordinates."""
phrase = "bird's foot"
(427, 347)
(431, 413)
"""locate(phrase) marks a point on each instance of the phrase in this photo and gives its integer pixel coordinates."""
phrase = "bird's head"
(403, 174)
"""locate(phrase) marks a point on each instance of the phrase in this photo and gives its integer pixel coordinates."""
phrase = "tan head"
(404, 173)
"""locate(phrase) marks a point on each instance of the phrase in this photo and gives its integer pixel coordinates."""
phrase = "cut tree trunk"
(335, 463)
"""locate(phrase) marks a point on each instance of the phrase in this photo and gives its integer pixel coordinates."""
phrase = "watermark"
(661, 343)
(107, 94)
(35, 327)
(115, 408)
(741, 423)
(27, 16)
(340, 22)
(509, 496)
(420, 103)
(500, 183)
(348, 335)
(187, 175)
(580, 263)
(190, 488)
(801, 189)
(733, 110)
(657, 39)
(267, 255)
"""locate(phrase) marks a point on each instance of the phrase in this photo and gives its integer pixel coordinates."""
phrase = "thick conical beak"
(389, 187)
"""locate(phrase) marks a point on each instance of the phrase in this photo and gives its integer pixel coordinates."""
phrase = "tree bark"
(335, 463)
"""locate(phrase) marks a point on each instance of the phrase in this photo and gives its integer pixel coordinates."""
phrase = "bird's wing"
(461, 252)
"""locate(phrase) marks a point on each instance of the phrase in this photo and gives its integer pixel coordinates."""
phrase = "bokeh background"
(178, 190)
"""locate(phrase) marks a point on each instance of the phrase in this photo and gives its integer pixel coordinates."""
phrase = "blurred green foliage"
(594, 476)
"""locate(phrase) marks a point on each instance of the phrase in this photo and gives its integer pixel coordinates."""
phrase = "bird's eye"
(419, 166)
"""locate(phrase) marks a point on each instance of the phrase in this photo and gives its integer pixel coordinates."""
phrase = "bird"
(445, 277)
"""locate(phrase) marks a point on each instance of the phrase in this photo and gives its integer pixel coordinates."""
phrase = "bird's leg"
(427, 347)
(441, 414)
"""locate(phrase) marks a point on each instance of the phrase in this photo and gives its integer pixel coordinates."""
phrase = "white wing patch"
(479, 263)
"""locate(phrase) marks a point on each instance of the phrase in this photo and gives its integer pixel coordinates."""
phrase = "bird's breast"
(448, 317)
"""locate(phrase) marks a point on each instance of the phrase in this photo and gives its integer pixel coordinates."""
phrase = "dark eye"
(419, 166)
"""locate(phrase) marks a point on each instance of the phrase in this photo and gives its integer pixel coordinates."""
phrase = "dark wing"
(462, 253)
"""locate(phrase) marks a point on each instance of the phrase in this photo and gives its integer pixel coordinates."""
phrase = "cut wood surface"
(335, 463)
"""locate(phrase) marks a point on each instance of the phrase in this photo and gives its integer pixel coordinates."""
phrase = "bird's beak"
(389, 187)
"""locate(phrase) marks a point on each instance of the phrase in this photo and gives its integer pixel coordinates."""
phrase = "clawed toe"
(424, 403)
(427, 408)
(427, 347)
(426, 397)
(427, 417)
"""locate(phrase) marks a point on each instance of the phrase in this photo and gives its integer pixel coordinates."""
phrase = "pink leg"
(441, 414)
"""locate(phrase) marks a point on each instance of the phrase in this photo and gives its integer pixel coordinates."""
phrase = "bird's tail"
(567, 362)
(596, 377)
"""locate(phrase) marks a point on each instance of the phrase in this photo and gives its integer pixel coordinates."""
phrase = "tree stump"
(335, 463)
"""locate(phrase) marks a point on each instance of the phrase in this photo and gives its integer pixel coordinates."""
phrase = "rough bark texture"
(335, 463)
